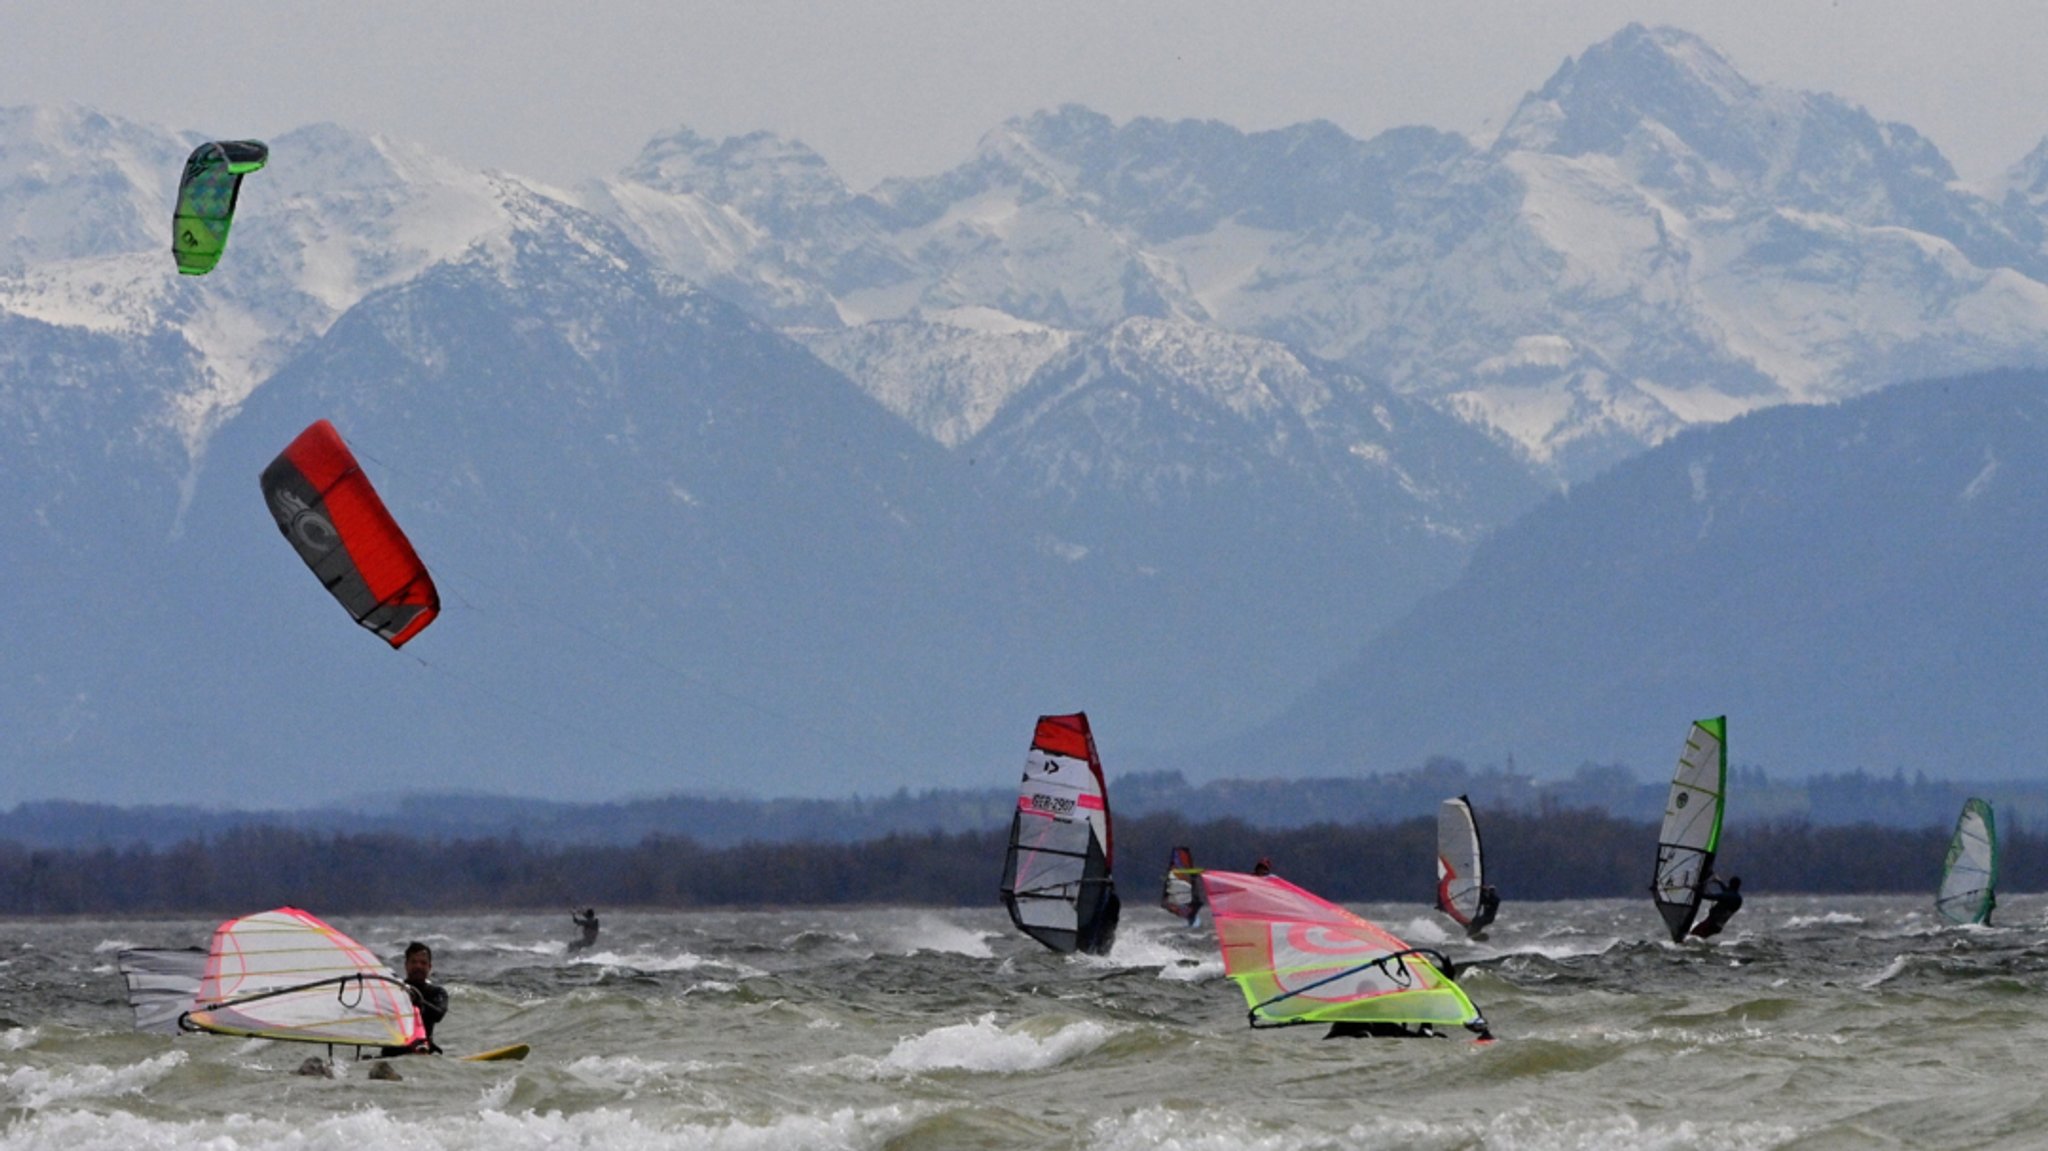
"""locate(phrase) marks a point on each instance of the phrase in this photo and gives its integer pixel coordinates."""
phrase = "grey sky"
(905, 87)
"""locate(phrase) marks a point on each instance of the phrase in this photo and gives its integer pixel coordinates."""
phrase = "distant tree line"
(1895, 800)
(1562, 853)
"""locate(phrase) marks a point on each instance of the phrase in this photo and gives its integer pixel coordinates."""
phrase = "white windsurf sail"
(1969, 876)
(1691, 833)
(284, 974)
(1056, 876)
(1181, 894)
(1459, 866)
(163, 984)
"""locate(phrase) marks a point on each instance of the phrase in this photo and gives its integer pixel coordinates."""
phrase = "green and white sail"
(1969, 876)
(1692, 825)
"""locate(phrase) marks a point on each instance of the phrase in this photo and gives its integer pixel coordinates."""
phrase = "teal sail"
(1969, 876)
(1691, 832)
(206, 200)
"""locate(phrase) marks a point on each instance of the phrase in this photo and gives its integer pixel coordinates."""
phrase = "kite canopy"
(206, 200)
(1301, 959)
(1458, 862)
(284, 974)
(1692, 825)
(326, 507)
(1969, 876)
(1056, 876)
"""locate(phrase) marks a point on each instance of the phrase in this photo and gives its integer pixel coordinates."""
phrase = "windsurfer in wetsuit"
(1263, 867)
(1489, 906)
(1726, 901)
(587, 920)
(430, 998)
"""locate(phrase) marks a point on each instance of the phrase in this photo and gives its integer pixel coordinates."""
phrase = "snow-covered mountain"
(1161, 419)
(1652, 242)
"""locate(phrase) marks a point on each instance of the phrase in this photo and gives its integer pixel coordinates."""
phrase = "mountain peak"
(755, 171)
(1642, 76)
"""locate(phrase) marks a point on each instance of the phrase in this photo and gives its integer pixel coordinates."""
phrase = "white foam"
(1169, 952)
(933, 933)
(1830, 919)
(106, 945)
(1523, 1129)
(612, 1129)
(34, 1087)
(648, 962)
(983, 1045)
(16, 1038)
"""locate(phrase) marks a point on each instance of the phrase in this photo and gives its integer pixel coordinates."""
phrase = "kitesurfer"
(587, 920)
(1489, 906)
(430, 998)
(1726, 901)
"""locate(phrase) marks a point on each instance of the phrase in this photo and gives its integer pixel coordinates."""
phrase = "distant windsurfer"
(1726, 901)
(1489, 906)
(1263, 867)
(587, 921)
(430, 998)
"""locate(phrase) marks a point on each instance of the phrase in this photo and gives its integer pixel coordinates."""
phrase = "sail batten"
(284, 974)
(1691, 831)
(1057, 872)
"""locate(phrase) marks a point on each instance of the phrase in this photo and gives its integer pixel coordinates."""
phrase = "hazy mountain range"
(735, 478)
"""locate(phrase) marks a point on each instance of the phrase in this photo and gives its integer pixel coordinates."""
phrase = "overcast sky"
(560, 91)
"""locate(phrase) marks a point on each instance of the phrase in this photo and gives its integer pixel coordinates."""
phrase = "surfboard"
(499, 1054)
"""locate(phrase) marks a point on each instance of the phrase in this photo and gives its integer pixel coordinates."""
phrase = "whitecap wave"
(1827, 919)
(935, 934)
(1161, 1127)
(846, 1129)
(985, 1046)
(34, 1087)
(647, 962)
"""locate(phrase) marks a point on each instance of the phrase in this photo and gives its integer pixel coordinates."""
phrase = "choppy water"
(1822, 1023)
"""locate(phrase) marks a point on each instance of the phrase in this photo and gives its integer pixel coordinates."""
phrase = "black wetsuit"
(589, 925)
(1349, 1029)
(1489, 906)
(1726, 904)
(432, 1000)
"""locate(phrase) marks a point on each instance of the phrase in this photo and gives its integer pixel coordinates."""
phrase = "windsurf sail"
(207, 193)
(1458, 863)
(325, 506)
(1301, 959)
(1692, 825)
(284, 974)
(1056, 877)
(163, 984)
(1182, 895)
(1969, 876)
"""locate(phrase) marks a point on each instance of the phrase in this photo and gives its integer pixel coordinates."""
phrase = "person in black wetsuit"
(587, 921)
(1489, 906)
(1726, 901)
(1263, 867)
(430, 998)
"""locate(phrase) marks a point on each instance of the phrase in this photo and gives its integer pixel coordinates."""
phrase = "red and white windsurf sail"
(1056, 876)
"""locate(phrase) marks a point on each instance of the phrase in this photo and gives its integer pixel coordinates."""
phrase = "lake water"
(1817, 1023)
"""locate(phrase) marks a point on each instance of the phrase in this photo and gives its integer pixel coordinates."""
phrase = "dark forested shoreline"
(1560, 854)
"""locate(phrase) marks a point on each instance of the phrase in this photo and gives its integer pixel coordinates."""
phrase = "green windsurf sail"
(1969, 876)
(1692, 825)
(206, 200)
